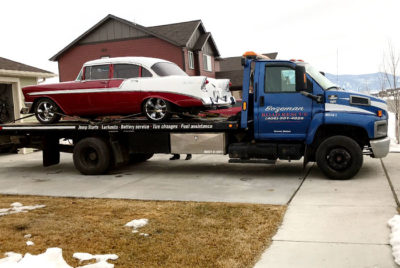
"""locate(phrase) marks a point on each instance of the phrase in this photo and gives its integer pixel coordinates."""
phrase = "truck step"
(252, 161)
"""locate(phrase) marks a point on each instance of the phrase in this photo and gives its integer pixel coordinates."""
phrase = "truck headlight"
(380, 129)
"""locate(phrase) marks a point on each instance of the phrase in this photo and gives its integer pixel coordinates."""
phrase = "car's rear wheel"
(157, 109)
(47, 111)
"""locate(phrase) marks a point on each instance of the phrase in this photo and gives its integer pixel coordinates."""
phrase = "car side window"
(279, 79)
(97, 72)
(146, 73)
(126, 71)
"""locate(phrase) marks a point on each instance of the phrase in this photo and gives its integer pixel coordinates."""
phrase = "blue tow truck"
(289, 111)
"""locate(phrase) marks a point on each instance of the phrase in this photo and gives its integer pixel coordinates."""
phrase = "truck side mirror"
(301, 78)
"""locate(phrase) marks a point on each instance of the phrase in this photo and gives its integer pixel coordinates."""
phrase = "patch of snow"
(30, 243)
(394, 147)
(394, 224)
(144, 234)
(10, 260)
(52, 258)
(136, 224)
(18, 208)
(27, 236)
(101, 260)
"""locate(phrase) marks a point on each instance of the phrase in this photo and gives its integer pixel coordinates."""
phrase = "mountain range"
(367, 83)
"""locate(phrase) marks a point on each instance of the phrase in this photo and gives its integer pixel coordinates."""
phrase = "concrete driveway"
(204, 178)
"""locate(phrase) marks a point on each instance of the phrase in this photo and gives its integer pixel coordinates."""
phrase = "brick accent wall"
(70, 63)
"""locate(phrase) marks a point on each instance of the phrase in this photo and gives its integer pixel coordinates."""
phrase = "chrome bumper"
(27, 108)
(380, 147)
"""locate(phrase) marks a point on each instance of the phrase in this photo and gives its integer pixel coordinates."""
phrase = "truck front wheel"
(92, 156)
(339, 157)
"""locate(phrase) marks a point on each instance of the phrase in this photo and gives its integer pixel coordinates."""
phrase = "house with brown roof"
(187, 44)
(14, 76)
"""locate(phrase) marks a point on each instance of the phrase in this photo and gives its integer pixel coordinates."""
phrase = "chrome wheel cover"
(45, 111)
(156, 109)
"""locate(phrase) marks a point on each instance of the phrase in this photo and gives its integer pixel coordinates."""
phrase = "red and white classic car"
(127, 85)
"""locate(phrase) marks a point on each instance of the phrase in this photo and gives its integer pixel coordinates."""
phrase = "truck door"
(280, 112)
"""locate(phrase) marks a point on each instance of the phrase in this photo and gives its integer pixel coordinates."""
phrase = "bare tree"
(390, 65)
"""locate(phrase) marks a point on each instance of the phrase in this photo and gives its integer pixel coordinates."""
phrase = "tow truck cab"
(293, 110)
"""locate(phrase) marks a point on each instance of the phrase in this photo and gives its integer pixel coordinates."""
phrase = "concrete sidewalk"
(338, 223)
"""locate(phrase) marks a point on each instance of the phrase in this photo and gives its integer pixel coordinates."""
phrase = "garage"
(6, 104)
(14, 76)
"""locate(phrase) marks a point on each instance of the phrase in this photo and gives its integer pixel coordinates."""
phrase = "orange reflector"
(292, 60)
(305, 79)
(230, 125)
(249, 53)
(301, 60)
(380, 113)
(244, 107)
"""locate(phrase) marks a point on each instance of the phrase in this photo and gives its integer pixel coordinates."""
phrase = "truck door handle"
(262, 101)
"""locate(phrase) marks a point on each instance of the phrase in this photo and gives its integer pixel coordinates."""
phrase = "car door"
(127, 96)
(88, 94)
(280, 111)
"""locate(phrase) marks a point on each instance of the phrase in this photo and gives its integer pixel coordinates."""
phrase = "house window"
(207, 63)
(191, 59)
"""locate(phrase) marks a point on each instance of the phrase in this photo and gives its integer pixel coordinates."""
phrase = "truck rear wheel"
(92, 156)
(339, 157)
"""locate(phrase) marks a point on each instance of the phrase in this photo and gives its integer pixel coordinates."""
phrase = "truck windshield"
(324, 82)
(167, 69)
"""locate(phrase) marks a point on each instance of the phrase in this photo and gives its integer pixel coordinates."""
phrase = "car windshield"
(167, 69)
(324, 82)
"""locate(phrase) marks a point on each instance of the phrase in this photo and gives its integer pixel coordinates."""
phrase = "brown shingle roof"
(10, 65)
(231, 68)
(201, 41)
(179, 32)
(234, 63)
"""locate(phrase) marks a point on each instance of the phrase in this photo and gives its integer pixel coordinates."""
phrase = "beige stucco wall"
(18, 83)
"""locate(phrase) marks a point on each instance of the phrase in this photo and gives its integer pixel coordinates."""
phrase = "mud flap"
(51, 151)
(305, 158)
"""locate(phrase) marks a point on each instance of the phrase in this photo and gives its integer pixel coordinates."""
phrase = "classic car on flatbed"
(127, 85)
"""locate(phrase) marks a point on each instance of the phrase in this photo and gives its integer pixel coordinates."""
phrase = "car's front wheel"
(47, 111)
(157, 110)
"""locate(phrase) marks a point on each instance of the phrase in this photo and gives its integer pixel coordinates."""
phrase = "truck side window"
(279, 79)
(97, 72)
(126, 71)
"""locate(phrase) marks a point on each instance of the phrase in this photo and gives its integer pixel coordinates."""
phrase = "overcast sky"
(313, 30)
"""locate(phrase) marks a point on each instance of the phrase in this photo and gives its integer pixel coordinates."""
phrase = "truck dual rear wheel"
(339, 157)
(92, 156)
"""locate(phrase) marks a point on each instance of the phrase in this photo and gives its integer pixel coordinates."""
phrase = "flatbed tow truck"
(289, 111)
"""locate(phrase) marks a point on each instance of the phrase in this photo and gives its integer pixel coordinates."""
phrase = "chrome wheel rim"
(156, 109)
(45, 111)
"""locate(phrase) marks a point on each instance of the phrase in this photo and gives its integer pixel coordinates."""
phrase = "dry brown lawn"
(181, 234)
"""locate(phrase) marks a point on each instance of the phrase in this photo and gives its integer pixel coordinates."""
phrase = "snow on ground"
(53, 258)
(101, 260)
(18, 208)
(394, 147)
(136, 224)
(394, 224)
(30, 243)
